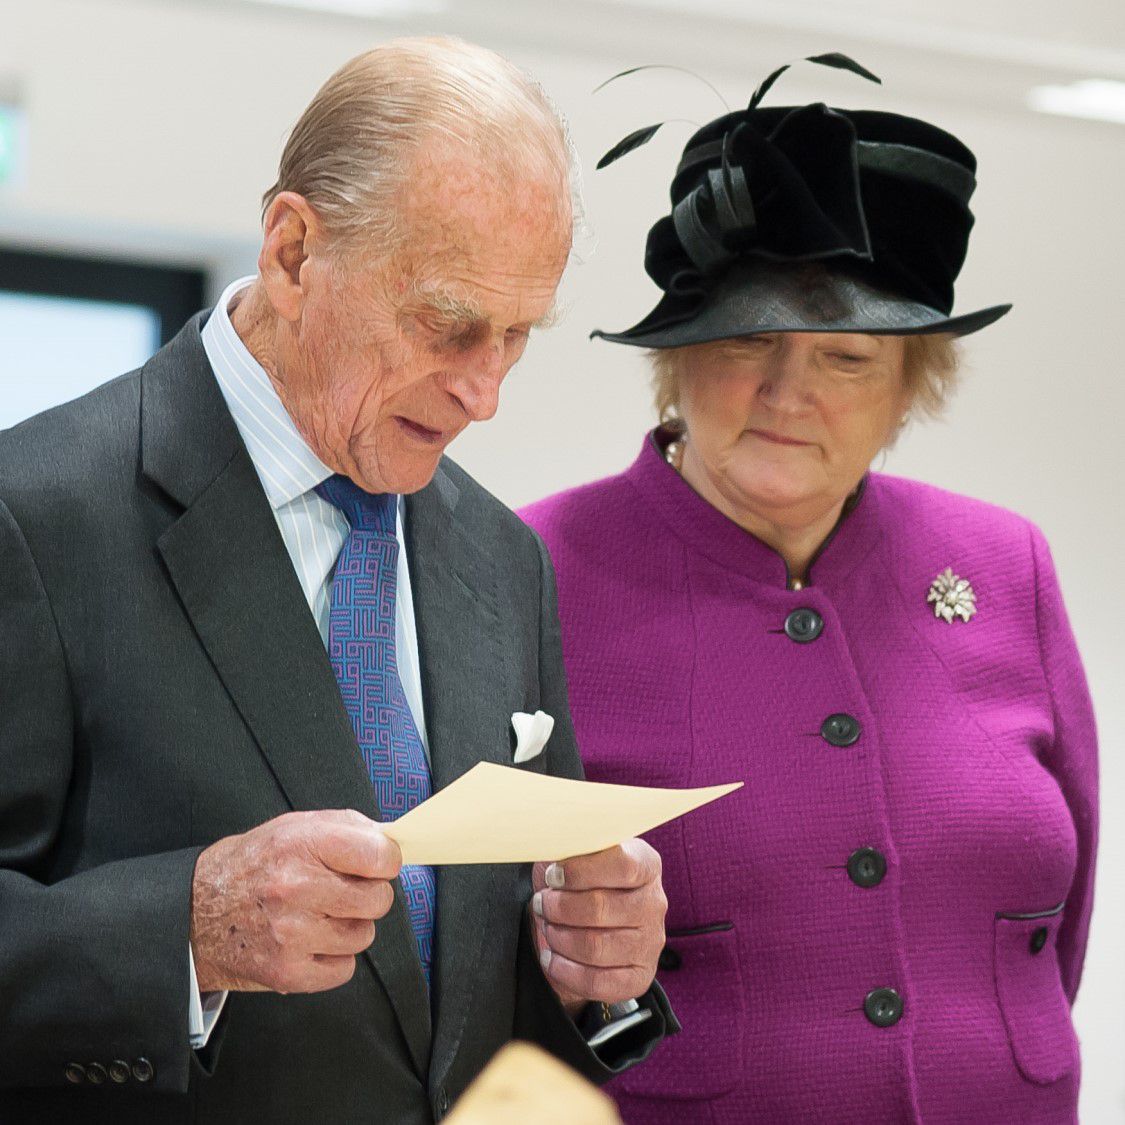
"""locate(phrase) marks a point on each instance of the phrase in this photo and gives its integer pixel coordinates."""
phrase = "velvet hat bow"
(793, 194)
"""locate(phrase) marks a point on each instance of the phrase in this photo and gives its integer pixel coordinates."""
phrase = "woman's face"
(784, 426)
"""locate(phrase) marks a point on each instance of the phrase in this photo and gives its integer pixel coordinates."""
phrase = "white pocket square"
(532, 732)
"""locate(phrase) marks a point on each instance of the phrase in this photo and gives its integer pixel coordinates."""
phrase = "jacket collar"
(229, 566)
(707, 531)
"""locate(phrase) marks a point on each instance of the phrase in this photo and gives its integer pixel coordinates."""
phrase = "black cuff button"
(96, 1073)
(75, 1072)
(143, 1070)
(119, 1071)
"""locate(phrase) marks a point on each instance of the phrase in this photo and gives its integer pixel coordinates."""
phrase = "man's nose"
(476, 381)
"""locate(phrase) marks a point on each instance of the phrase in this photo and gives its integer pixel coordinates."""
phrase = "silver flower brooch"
(952, 596)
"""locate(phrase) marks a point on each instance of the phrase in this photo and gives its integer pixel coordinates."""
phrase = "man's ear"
(292, 230)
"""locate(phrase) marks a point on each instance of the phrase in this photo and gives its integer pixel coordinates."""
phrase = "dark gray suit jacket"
(163, 684)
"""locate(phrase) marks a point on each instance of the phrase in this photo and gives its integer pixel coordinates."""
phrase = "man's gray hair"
(351, 151)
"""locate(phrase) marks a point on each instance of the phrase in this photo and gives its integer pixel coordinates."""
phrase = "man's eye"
(463, 336)
(430, 321)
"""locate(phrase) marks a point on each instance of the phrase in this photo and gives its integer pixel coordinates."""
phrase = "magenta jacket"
(887, 923)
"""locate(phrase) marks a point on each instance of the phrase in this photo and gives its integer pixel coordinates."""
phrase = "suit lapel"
(458, 635)
(228, 563)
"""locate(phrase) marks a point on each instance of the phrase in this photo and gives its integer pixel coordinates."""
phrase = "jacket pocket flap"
(1032, 1002)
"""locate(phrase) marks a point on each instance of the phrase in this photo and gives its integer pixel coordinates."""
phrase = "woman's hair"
(351, 151)
(930, 370)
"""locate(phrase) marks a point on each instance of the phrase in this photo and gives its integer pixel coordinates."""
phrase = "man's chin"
(410, 475)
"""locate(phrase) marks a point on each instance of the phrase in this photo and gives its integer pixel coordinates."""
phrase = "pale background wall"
(156, 124)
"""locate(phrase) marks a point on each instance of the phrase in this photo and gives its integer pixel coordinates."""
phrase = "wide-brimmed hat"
(810, 219)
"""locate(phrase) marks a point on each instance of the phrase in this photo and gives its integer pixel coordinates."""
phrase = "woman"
(887, 923)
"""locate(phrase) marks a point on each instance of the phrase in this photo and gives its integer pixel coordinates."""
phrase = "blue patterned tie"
(361, 646)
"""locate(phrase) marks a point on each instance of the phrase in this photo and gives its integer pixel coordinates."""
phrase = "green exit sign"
(12, 144)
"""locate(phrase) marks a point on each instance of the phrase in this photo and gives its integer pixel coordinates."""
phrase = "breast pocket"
(699, 970)
(1030, 993)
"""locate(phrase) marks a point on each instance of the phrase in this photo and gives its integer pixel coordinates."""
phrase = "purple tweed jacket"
(887, 923)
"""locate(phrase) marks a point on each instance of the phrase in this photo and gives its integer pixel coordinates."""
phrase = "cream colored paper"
(523, 1085)
(497, 814)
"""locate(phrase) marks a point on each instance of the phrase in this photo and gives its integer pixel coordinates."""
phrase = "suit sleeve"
(540, 1017)
(92, 965)
(1072, 756)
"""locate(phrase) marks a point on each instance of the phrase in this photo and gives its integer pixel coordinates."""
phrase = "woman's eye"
(746, 345)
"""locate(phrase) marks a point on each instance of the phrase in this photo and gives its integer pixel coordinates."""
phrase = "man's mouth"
(419, 432)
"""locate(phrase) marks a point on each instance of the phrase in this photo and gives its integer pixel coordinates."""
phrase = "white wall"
(155, 126)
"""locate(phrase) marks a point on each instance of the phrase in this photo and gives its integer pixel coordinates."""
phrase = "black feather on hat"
(809, 219)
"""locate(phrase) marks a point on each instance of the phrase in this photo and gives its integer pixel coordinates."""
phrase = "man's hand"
(287, 906)
(599, 923)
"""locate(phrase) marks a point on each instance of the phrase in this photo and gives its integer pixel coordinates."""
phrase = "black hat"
(810, 219)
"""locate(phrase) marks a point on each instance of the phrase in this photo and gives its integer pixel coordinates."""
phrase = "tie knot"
(364, 511)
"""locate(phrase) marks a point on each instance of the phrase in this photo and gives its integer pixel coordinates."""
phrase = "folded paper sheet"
(497, 814)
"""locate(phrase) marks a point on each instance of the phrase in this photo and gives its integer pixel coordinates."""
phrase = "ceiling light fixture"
(1099, 99)
(370, 9)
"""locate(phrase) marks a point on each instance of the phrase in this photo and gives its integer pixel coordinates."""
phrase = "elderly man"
(231, 648)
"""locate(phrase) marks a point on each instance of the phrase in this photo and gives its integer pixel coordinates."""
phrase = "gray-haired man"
(179, 845)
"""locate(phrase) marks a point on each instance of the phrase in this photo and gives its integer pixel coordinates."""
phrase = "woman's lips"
(422, 433)
(777, 439)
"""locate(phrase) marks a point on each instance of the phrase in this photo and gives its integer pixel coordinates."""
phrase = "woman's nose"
(787, 376)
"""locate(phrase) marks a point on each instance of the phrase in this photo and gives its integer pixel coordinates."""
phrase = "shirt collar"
(285, 464)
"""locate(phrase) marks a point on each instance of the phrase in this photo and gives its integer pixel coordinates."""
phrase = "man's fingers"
(354, 849)
(342, 936)
(609, 986)
(603, 909)
(349, 896)
(600, 949)
(631, 864)
(322, 972)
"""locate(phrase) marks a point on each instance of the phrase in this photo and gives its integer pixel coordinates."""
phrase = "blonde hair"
(351, 150)
(930, 370)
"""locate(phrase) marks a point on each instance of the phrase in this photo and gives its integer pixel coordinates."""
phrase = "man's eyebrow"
(455, 311)
(448, 306)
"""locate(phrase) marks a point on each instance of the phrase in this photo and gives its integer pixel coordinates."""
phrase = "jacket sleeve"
(540, 1017)
(1072, 756)
(93, 965)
